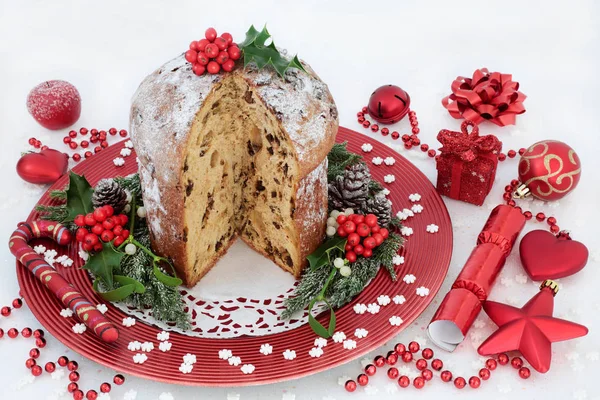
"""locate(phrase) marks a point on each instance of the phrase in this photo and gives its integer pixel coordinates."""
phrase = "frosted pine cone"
(381, 207)
(109, 192)
(351, 189)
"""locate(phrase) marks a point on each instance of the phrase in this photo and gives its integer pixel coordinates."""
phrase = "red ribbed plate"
(426, 255)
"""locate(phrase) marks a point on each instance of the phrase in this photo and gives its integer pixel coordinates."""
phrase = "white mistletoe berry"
(359, 308)
(165, 346)
(348, 211)
(130, 249)
(315, 352)
(338, 262)
(399, 299)
(389, 178)
(389, 161)
(422, 291)
(141, 212)
(334, 214)
(398, 259)
(266, 349)
(395, 320)
(377, 160)
(367, 147)
(332, 222)
(338, 337)
(248, 368)
(289, 354)
(331, 231)
(409, 278)
(345, 271)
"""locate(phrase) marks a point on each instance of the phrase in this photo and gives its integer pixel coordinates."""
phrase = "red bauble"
(546, 256)
(388, 104)
(550, 169)
(54, 104)
(530, 329)
(43, 167)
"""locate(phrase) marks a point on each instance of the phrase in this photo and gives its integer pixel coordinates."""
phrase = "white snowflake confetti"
(409, 279)
(367, 147)
(128, 322)
(422, 291)
(289, 354)
(186, 368)
(359, 308)
(234, 361)
(432, 228)
(225, 354)
(125, 152)
(383, 300)
(521, 278)
(506, 281)
(147, 347)
(389, 178)
(406, 231)
(417, 208)
(349, 344)
(162, 336)
(361, 333)
(266, 349)
(134, 346)
(130, 395)
(377, 160)
(39, 249)
(166, 396)
(129, 144)
(189, 358)
(165, 346)
(84, 255)
(338, 337)
(140, 358)
(79, 328)
(373, 308)
(119, 161)
(320, 342)
(57, 374)
(395, 320)
(66, 313)
(398, 260)
(315, 352)
(414, 197)
(399, 299)
(248, 368)
(389, 161)
(103, 308)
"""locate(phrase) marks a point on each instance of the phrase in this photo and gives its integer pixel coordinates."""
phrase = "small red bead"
(511, 203)
(88, 154)
(404, 381)
(5, 311)
(365, 110)
(362, 380)
(460, 382)
(104, 144)
(474, 382)
(437, 364)
(407, 356)
(427, 374)
(484, 374)
(540, 216)
(62, 361)
(350, 386)
(122, 133)
(74, 376)
(374, 127)
(395, 135)
(427, 353)
(105, 387)
(501, 157)
(360, 114)
(379, 361)
(424, 147)
(67, 139)
(399, 348)
(72, 134)
(36, 370)
(446, 376)
(71, 387)
(491, 364)
(551, 221)
(524, 372)
(112, 131)
(431, 153)
(83, 131)
(419, 382)
(32, 141)
(370, 370)
(78, 395)
(72, 366)
(44, 147)
(38, 333)
(405, 138)
(361, 120)
(26, 332)
(511, 154)
(34, 353)
(554, 229)
(392, 358)
(385, 131)
(508, 189)
(94, 139)
(414, 122)
(12, 333)
(119, 379)
(528, 215)
(415, 130)
(408, 145)
(1, 333)
(17, 303)
(73, 145)
(416, 142)
(516, 362)
(522, 151)
(30, 363)
(413, 347)
(94, 132)
(506, 196)
(393, 373)
(84, 144)
(91, 395)
(421, 364)
(76, 157)
(40, 342)
(50, 367)
(502, 359)
(366, 124)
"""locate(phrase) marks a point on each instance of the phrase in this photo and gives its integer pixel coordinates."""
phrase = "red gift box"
(467, 163)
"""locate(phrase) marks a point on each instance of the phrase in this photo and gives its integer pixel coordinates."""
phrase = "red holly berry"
(125, 234)
(348, 247)
(99, 214)
(211, 50)
(97, 229)
(375, 229)
(222, 57)
(351, 256)
(228, 38)
(202, 58)
(384, 233)
(90, 220)
(234, 52)
(367, 253)
(228, 65)
(369, 242)
(341, 231)
(80, 234)
(221, 43)
(198, 69)
(91, 239)
(194, 46)
(118, 241)
(191, 56)
(107, 236)
(378, 238)
(123, 219)
(109, 223)
(363, 230)
(87, 247)
(341, 219)
(359, 249)
(213, 67)
(353, 238)
(358, 218)
(202, 44)
(349, 227)
(210, 34)
(118, 230)
(371, 220)
(109, 210)
(79, 220)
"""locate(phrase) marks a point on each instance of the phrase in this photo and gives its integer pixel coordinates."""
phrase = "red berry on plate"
(97, 229)
(378, 238)
(118, 241)
(198, 69)
(367, 253)
(107, 236)
(210, 34)
(109, 223)
(358, 219)
(123, 219)
(341, 231)
(213, 67)
(109, 210)
(363, 230)
(80, 234)
(369, 242)
(90, 220)
(222, 57)
(99, 214)
(191, 56)
(90, 239)
(98, 247)
(221, 43)
(194, 46)
(375, 229)
(384, 233)
(79, 220)
(202, 58)
(228, 65)
(118, 230)
(202, 44)
(54, 104)
(353, 238)
(359, 249)
(371, 220)
(348, 247)
(349, 226)
(125, 234)
(234, 52)
(341, 219)
(87, 247)
(228, 38)
(351, 256)
(211, 50)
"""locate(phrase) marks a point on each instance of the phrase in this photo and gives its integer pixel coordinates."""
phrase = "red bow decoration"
(494, 97)
(467, 146)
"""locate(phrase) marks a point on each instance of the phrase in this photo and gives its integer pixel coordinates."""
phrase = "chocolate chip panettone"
(234, 154)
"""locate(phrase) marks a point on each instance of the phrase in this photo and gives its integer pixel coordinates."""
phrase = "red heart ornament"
(545, 256)
(43, 167)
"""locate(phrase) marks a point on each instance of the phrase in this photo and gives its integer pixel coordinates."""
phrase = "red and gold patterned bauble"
(43, 167)
(548, 170)
(388, 104)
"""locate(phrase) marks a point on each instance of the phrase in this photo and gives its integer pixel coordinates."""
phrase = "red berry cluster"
(101, 226)
(363, 233)
(213, 53)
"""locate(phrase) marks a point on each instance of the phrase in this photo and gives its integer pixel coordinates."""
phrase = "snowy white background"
(551, 48)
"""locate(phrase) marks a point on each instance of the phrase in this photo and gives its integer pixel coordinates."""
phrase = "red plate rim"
(426, 255)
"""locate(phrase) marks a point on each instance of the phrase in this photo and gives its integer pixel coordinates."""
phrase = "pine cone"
(109, 192)
(351, 189)
(381, 207)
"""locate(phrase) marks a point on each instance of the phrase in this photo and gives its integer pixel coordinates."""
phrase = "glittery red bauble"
(388, 104)
(550, 169)
(43, 167)
(54, 104)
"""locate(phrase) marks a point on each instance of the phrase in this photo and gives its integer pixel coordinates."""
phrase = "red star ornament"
(531, 330)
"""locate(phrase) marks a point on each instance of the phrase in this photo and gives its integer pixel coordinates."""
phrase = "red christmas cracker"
(63, 290)
(462, 304)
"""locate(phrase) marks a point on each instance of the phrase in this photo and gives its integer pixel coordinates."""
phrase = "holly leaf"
(321, 256)
(317, 327)
(257, 50)
(104, 263)
(79, 197)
